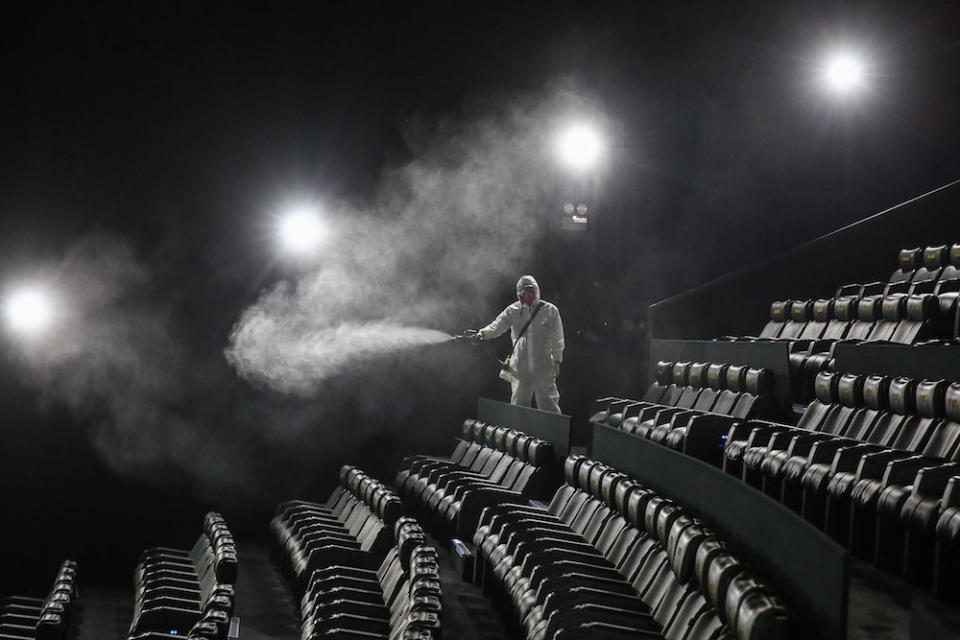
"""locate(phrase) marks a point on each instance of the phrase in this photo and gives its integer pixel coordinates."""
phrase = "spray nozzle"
(469, 336)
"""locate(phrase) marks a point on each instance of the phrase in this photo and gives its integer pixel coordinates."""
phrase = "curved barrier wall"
(552, 427)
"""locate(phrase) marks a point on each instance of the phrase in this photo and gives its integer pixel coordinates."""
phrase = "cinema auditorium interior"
(244, 261)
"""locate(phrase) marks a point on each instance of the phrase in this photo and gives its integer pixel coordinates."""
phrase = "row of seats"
(608, 558)
(187, 592)
(489, 465)
(368, 572)
(815, 327)
(353, 526)
(692, 406)
(23, 618)
(869, 461)
(913, 266)
(917, 304)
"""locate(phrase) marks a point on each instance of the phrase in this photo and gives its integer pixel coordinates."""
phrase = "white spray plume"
(441, 231)
(279, 345)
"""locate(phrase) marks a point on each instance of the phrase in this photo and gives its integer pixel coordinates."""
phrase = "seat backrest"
(909, 260)
(801, 311)
(952, 407)
(893, 309)
(952, 270)
(819, 319)
(903, 403)
(869, 312)
(874, 399)
(756, 398)
(843, 312)
(825, 387)
(823, 311)
(717, 376)
(931, 407)
(779, 314)
(680, 371)
(922, 314)
(664, 377)
(732, 384)
(849, 401)
(934, 260)
(708, 394)
(571, 469)
(946, 294)
(696, 374)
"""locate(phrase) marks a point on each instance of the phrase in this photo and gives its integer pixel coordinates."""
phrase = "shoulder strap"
(523, 329)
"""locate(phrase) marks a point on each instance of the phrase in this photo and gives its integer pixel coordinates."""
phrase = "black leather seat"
(354, 531)
(779, 315)
(468, 445)
(609, 555)
(648, 416)
(915, 485)
(401, 598)
(812, 420)
(897, 466)
(840, 455)
(845, 423)
(358, 568)
(41, 618)
(188, 591)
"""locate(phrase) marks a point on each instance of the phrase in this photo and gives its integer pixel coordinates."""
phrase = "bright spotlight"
(844, 73)
(580, 147)
(28, 311)
(301, 231)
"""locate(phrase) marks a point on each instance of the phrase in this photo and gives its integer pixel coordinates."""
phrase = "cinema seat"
(357, 566)
(41, 618)
(399, 599)
(454, 501)
(187, 592)
(880, 470)
(355, 531)
(814, 417)
(608, 554)
(468, 446)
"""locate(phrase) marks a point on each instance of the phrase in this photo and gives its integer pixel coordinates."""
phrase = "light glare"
(28, 311)
(844, 73)
(301, 231)
(580, 147)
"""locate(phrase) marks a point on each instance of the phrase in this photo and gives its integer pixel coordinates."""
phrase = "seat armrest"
(781, 440)
(874, 465)
(826, 450)
(932, 481)
(905, 470)
(847, 458)
(801, 443)
(680, 418)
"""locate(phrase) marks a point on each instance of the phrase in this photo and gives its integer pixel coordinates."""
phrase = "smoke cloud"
(113, 358)
(461, 217)
(359, 335)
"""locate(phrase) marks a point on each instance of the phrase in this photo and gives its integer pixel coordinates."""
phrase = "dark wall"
(866, 251)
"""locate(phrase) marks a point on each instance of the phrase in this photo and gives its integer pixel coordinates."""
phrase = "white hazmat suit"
(536, 357)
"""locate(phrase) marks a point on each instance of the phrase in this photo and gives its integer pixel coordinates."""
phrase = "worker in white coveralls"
(534, 363)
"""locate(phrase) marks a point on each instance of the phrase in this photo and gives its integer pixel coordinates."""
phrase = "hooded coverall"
(537, 355)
